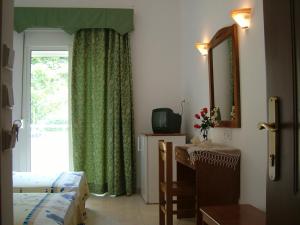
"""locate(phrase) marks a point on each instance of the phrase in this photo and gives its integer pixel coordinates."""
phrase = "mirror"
(224, 77)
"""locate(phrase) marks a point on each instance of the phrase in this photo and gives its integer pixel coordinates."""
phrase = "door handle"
(268, 126)
(9, 138)
(273, 137)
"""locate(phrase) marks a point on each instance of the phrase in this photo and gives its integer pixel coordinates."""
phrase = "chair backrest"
(165, 163)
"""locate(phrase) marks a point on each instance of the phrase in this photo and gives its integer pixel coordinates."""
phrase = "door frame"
(41, 45)
(6, 37)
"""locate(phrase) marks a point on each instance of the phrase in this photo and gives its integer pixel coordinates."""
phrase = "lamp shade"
(242, 17)
(202, 47)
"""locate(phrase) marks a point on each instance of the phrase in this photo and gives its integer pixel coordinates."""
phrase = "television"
(164, 120)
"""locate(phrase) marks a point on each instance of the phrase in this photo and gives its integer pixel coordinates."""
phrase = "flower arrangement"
(206, 121)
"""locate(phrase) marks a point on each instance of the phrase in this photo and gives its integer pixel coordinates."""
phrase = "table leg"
(185, 205)
(198, 213)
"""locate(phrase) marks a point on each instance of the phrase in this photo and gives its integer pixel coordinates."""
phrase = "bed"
(45, 209)
(28, 182)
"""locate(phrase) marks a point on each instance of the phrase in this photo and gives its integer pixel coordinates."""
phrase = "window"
(49, 123)
(47, 61)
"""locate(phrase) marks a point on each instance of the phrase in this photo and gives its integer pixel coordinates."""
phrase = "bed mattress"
(28, 182)
(45, 209)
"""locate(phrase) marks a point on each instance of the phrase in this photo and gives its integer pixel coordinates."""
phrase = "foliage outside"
(49, 112)
(49, 90)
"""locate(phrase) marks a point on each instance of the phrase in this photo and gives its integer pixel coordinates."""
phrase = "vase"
(205, 134)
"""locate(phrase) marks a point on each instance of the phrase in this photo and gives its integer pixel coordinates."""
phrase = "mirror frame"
(217, 39)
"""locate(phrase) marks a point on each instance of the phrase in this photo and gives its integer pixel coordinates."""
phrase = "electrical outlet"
(227, 135)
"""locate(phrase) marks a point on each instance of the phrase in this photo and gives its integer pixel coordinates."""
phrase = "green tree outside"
(49, 89)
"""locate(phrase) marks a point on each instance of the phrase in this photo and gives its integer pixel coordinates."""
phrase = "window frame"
(43, 40)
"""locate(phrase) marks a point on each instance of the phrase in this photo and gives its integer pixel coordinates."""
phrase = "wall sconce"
(202, 47)
(242, 17)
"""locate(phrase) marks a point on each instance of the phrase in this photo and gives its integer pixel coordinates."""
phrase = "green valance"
(73, 19)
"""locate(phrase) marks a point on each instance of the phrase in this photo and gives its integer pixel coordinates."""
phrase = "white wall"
(200, 20)
(156, 71)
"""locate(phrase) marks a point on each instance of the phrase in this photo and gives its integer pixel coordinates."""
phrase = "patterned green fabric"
(73, 19)
(102, 111)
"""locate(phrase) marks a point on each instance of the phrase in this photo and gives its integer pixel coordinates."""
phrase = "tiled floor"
(124, 211)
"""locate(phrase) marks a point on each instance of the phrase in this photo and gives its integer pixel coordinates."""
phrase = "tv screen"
(160, 119)
(164, 120)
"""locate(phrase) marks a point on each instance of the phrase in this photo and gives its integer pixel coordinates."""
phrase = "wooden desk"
(215, 185)
(233, 215)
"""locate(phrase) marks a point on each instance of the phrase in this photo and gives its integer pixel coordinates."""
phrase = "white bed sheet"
(45, 209)
(28, 182)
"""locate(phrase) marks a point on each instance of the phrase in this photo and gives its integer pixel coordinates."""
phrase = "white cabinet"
(148, 147)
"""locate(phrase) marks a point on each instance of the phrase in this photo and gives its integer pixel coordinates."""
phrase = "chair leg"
(162, 220)
(169, 209)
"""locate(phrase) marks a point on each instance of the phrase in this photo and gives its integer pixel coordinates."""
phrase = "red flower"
(205, 110)
(197, 126)
(197, 116)
(202, 113)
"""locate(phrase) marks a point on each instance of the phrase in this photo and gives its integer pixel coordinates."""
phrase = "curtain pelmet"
(72, 20)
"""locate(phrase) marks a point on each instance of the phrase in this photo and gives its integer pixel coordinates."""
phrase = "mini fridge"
(148, 149)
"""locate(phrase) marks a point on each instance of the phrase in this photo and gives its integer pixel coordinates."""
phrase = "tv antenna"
(182, 103)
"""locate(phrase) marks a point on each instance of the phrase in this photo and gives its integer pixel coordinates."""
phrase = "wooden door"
(282, 43)
(6, 102)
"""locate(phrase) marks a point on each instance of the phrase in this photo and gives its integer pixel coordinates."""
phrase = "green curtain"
(102, 111)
